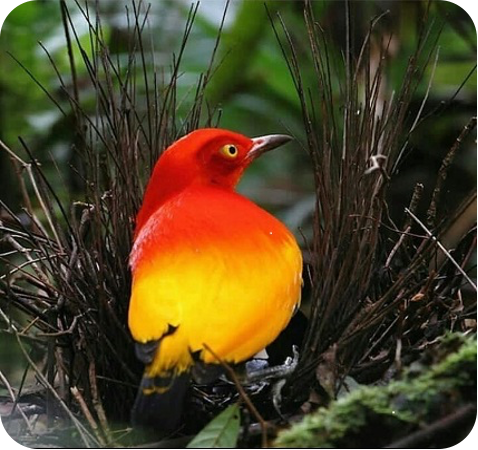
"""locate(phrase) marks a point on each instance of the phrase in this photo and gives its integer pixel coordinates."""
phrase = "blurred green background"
(251, 89)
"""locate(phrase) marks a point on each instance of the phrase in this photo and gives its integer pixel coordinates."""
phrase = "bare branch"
(442, 248)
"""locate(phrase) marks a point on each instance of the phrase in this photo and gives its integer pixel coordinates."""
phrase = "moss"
(376, 416)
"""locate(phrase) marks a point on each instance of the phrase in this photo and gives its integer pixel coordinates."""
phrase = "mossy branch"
(380, 415)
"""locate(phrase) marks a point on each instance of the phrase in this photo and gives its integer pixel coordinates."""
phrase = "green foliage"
(221, 432)
(423, 395)
(23, 28)
(239, 50)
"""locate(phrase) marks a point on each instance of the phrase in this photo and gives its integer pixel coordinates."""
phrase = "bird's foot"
(258, 373)
(258, 369)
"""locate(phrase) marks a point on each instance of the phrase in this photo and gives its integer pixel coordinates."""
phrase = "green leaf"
(221, 432)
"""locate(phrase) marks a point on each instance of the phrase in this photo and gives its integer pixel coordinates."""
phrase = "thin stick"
(63, 332)
(83, 432)
(243, 395)
(394, 250)
(442, 172)
(71, 58)
(28, 168)
(26, 252)
(9, 388)
(420, 110)
(417, 193)
(12, 154)
(86, 412)
(442, 248)
(97, 404)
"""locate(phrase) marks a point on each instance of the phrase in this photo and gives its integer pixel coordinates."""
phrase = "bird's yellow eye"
(229, 151)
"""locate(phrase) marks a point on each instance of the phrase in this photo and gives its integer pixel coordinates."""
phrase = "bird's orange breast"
(219, 269)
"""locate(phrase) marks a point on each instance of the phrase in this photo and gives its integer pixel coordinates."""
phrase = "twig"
(395, 248)
(442, 248)
(243, 395)
(30, 261)
(420, 110)
(12, 154)
(31, 176)
(9, 388)
(442, 172)
(97, 404)
(8, 321)
(46, 210)
(427, 93)
(86, 412)
(85, 435)
(71, 58)
(63, 332)
(417, 193)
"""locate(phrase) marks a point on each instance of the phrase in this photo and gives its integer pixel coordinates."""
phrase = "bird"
(215, 278)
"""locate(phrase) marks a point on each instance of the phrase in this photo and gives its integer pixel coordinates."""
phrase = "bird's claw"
(259, 373)
(254, 374)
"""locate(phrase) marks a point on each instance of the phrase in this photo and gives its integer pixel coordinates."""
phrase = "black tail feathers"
(156, 411)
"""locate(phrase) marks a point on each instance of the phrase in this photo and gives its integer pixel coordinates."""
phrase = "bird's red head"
(205, 157)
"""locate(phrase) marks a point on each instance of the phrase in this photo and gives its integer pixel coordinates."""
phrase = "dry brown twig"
(87, 439)
(86, 412)
(442, 248)
(16, 406)
(442, 172)
(242, 393)
(365, 269)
